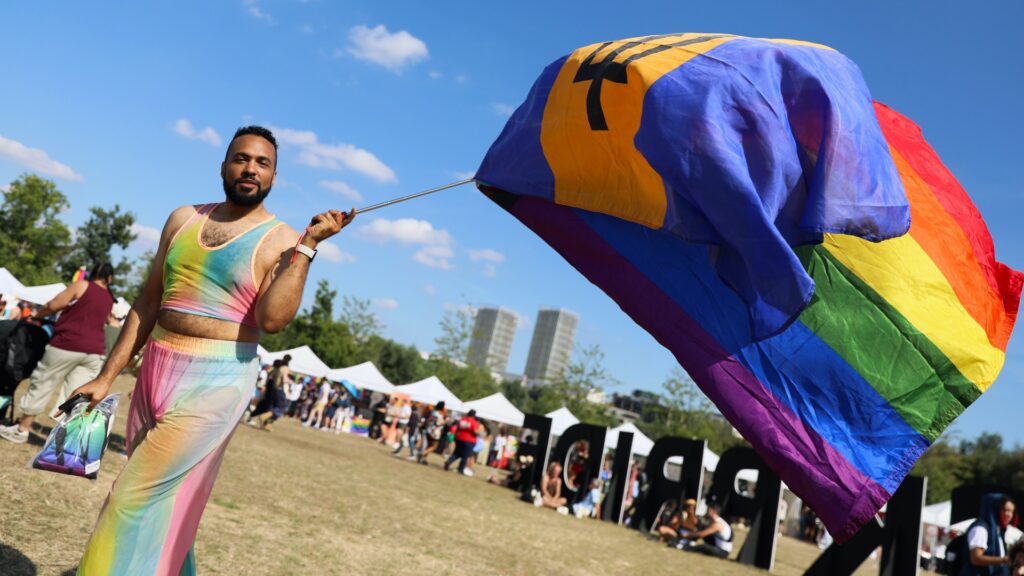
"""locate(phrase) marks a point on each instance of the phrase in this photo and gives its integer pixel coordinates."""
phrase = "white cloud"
(502, 109)
(491, 259)
(437, 243)
(258, 14)
(385, 303)
(392, 51)
(340, 156)
(435, 257)
(462, 79)
(434, 74)
(147, 238)
(36, 159)
(185, 129)
(5, 188)
(342, 189)
(404, 231)
(332, 253)
(486, 255)
(306, 29)
(429, 289)
(459, 175)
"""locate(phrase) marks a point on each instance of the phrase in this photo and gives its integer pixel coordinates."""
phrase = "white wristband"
(303, 249)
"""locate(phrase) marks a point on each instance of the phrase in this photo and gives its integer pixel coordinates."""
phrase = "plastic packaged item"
(76, 444)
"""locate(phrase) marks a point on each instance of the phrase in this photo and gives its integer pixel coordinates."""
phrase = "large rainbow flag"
(747, 203)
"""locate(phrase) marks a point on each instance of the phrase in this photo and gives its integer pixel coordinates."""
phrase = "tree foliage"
(33, 239)
(136, 278)
(94, 240)
(361, 321)
(683, 410)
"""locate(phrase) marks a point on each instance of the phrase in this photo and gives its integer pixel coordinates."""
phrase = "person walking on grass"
(467, 431)
(223, 274)
(75, 354)
(434, 428)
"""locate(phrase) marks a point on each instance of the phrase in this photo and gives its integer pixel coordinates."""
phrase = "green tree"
(516, 394)
(456, 329)
(140, 271)
(398, 363)
(94, 240)
(361, 321)
(33, 239)
(945, 467)
(683, 410)
(583, 378)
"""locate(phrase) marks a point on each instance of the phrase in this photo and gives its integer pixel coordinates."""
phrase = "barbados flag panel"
(892, 331)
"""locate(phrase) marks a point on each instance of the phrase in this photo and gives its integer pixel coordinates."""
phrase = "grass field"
(296, 501)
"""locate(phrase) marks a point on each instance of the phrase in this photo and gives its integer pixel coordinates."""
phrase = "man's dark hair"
(254, 131)
(102, 271)
(287, 358)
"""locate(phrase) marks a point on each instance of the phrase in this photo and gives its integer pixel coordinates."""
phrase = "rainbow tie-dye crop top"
(215, 282)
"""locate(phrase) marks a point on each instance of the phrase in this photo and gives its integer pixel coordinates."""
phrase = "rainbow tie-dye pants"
(190, 395)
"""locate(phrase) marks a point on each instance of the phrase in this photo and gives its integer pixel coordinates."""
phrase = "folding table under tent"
(364, 376)
(304, 360)
(431, 391)
(497, 408)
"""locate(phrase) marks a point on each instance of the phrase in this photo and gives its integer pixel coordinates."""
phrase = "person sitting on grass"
(587, 507)
(551, 488)
(717, 536)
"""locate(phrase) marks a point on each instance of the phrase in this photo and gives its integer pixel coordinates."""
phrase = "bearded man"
(223, 274)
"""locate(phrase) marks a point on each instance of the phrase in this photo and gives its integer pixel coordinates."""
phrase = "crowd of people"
(416, 431)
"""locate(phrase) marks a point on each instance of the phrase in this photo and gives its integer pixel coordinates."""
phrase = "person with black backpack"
(76, 352)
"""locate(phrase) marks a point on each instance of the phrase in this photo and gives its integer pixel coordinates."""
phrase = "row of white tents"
(13, 290)
(496, 407)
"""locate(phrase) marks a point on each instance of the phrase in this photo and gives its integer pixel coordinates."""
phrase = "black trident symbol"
(612, 71)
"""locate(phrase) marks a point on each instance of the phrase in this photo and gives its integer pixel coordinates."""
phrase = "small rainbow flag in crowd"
(80, 274)
(799, 248)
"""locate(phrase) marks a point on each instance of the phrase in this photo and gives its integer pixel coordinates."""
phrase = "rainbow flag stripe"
(897, 338)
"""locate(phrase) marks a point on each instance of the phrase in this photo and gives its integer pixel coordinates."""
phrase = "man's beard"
(231, 191)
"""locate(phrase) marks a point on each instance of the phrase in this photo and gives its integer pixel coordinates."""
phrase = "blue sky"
(133, 105)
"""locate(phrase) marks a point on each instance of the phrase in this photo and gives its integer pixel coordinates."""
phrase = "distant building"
(491, 341)
(554, 336)
(634, 406)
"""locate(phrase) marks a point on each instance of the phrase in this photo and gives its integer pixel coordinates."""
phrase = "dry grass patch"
(298, 501)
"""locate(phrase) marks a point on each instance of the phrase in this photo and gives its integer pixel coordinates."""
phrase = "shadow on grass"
(15, 563)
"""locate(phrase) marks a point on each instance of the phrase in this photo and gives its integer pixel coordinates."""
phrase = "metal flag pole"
(411, 196)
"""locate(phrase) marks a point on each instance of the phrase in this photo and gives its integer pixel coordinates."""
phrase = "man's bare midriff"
(203, 327)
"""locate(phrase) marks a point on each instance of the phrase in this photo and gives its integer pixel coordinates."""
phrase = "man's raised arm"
(281, 291)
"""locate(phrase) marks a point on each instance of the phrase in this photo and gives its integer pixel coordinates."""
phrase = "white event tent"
(642, 445)
(496, 407)
(431, 391)
(365, 376)
(303, 361)
(938, 514)
(561, 419)
(13, 289)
